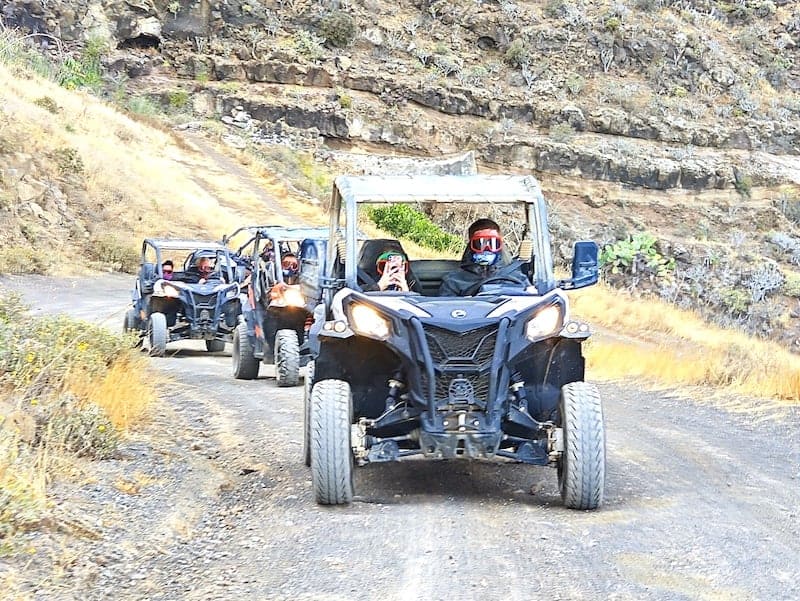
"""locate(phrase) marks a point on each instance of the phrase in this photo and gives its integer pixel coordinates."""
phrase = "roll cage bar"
(350, 191)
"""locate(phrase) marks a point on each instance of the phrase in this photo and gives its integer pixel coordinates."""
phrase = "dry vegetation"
(654, 342)
(68, 389)
(84, 183)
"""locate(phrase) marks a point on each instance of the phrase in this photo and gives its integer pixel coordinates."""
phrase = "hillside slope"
(81, 183)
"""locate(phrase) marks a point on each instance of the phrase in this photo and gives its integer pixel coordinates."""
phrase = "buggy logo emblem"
(460, 390)
(458, 313)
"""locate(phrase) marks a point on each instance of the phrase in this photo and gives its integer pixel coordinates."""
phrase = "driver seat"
(367, 270)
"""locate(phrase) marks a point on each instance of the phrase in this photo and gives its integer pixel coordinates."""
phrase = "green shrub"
(404, 221)
(743, 184)
(141, 105)
(22, 504)
(612, 24)
(69, 161)
(178, 99)
(345, 100)
(338, 28)
(517, 53)
(554, 8)
(636, 255)
(81, 429)
(791, 284)
(789, 205)
(37, 353)
(735, 301)
(575, 83)
(115, 254)
(47, 104)
(85, 71)
(562, 132)
(308, 44)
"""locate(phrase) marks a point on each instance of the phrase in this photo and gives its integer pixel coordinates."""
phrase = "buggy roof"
(281, 232)
(184, 244)
(439, 188)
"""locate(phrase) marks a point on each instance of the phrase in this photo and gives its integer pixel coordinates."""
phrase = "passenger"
(291, 268)
(482, 260)
(200, 272)
(392, 268)
(167, 268)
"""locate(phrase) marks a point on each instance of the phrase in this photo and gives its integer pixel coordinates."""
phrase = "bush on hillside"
(338, 28)
(404, 221)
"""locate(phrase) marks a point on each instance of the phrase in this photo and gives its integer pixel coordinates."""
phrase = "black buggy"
(276, 314)
(496, 375)
(184, 307)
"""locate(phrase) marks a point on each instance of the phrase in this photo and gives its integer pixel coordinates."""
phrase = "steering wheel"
(499, 280)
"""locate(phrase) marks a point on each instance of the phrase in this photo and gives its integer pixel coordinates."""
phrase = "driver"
(483, 260)
(290, 268)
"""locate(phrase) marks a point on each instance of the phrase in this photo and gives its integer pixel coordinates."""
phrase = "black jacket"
(467, 280)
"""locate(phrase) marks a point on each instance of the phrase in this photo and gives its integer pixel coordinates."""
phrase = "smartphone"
(395, 263)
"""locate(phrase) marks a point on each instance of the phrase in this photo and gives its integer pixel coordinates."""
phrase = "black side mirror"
(585, 270)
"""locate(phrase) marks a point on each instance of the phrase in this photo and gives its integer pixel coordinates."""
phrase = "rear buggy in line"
(276, 314)
(183, 305)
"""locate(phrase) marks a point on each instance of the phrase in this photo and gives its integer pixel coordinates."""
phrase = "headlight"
(545, 323)
(293, 297)
(367, 321)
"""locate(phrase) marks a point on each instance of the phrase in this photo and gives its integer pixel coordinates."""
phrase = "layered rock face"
(526, 87)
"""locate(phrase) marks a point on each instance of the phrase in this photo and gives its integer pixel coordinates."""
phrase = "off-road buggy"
(496, 375)
(276, 315)
(185, 306)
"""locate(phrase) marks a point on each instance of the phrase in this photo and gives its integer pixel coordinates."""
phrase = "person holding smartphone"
(392, 268)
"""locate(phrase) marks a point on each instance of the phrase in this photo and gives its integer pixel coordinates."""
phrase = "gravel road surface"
(211, 500)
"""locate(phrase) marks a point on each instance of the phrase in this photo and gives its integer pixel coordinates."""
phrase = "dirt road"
(702, 502)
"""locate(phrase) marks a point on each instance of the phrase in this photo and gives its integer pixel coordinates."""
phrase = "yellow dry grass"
(142, 180)
(652, 341)
(124, 392)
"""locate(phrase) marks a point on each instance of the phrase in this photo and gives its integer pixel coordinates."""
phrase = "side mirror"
(585, 270)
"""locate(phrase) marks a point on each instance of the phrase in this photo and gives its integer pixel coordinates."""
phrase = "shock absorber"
(396, 386)
(517, 388)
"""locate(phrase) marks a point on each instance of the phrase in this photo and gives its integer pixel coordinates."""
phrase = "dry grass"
(124, 393)
(673, 347)
(138, 180)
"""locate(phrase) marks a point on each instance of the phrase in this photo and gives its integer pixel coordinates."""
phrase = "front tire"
(215, 346)
(245, 365)
(131, 321)
(582, 465)
(157, 330)
(287, 358)
(308, 382)
(331, 453)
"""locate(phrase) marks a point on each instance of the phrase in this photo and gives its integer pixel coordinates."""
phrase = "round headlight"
(367, 321)
(545, 323)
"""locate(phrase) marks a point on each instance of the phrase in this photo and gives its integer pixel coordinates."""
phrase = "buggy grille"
(205, 301)
(461, 356)
(472, 348)
(480, 385)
